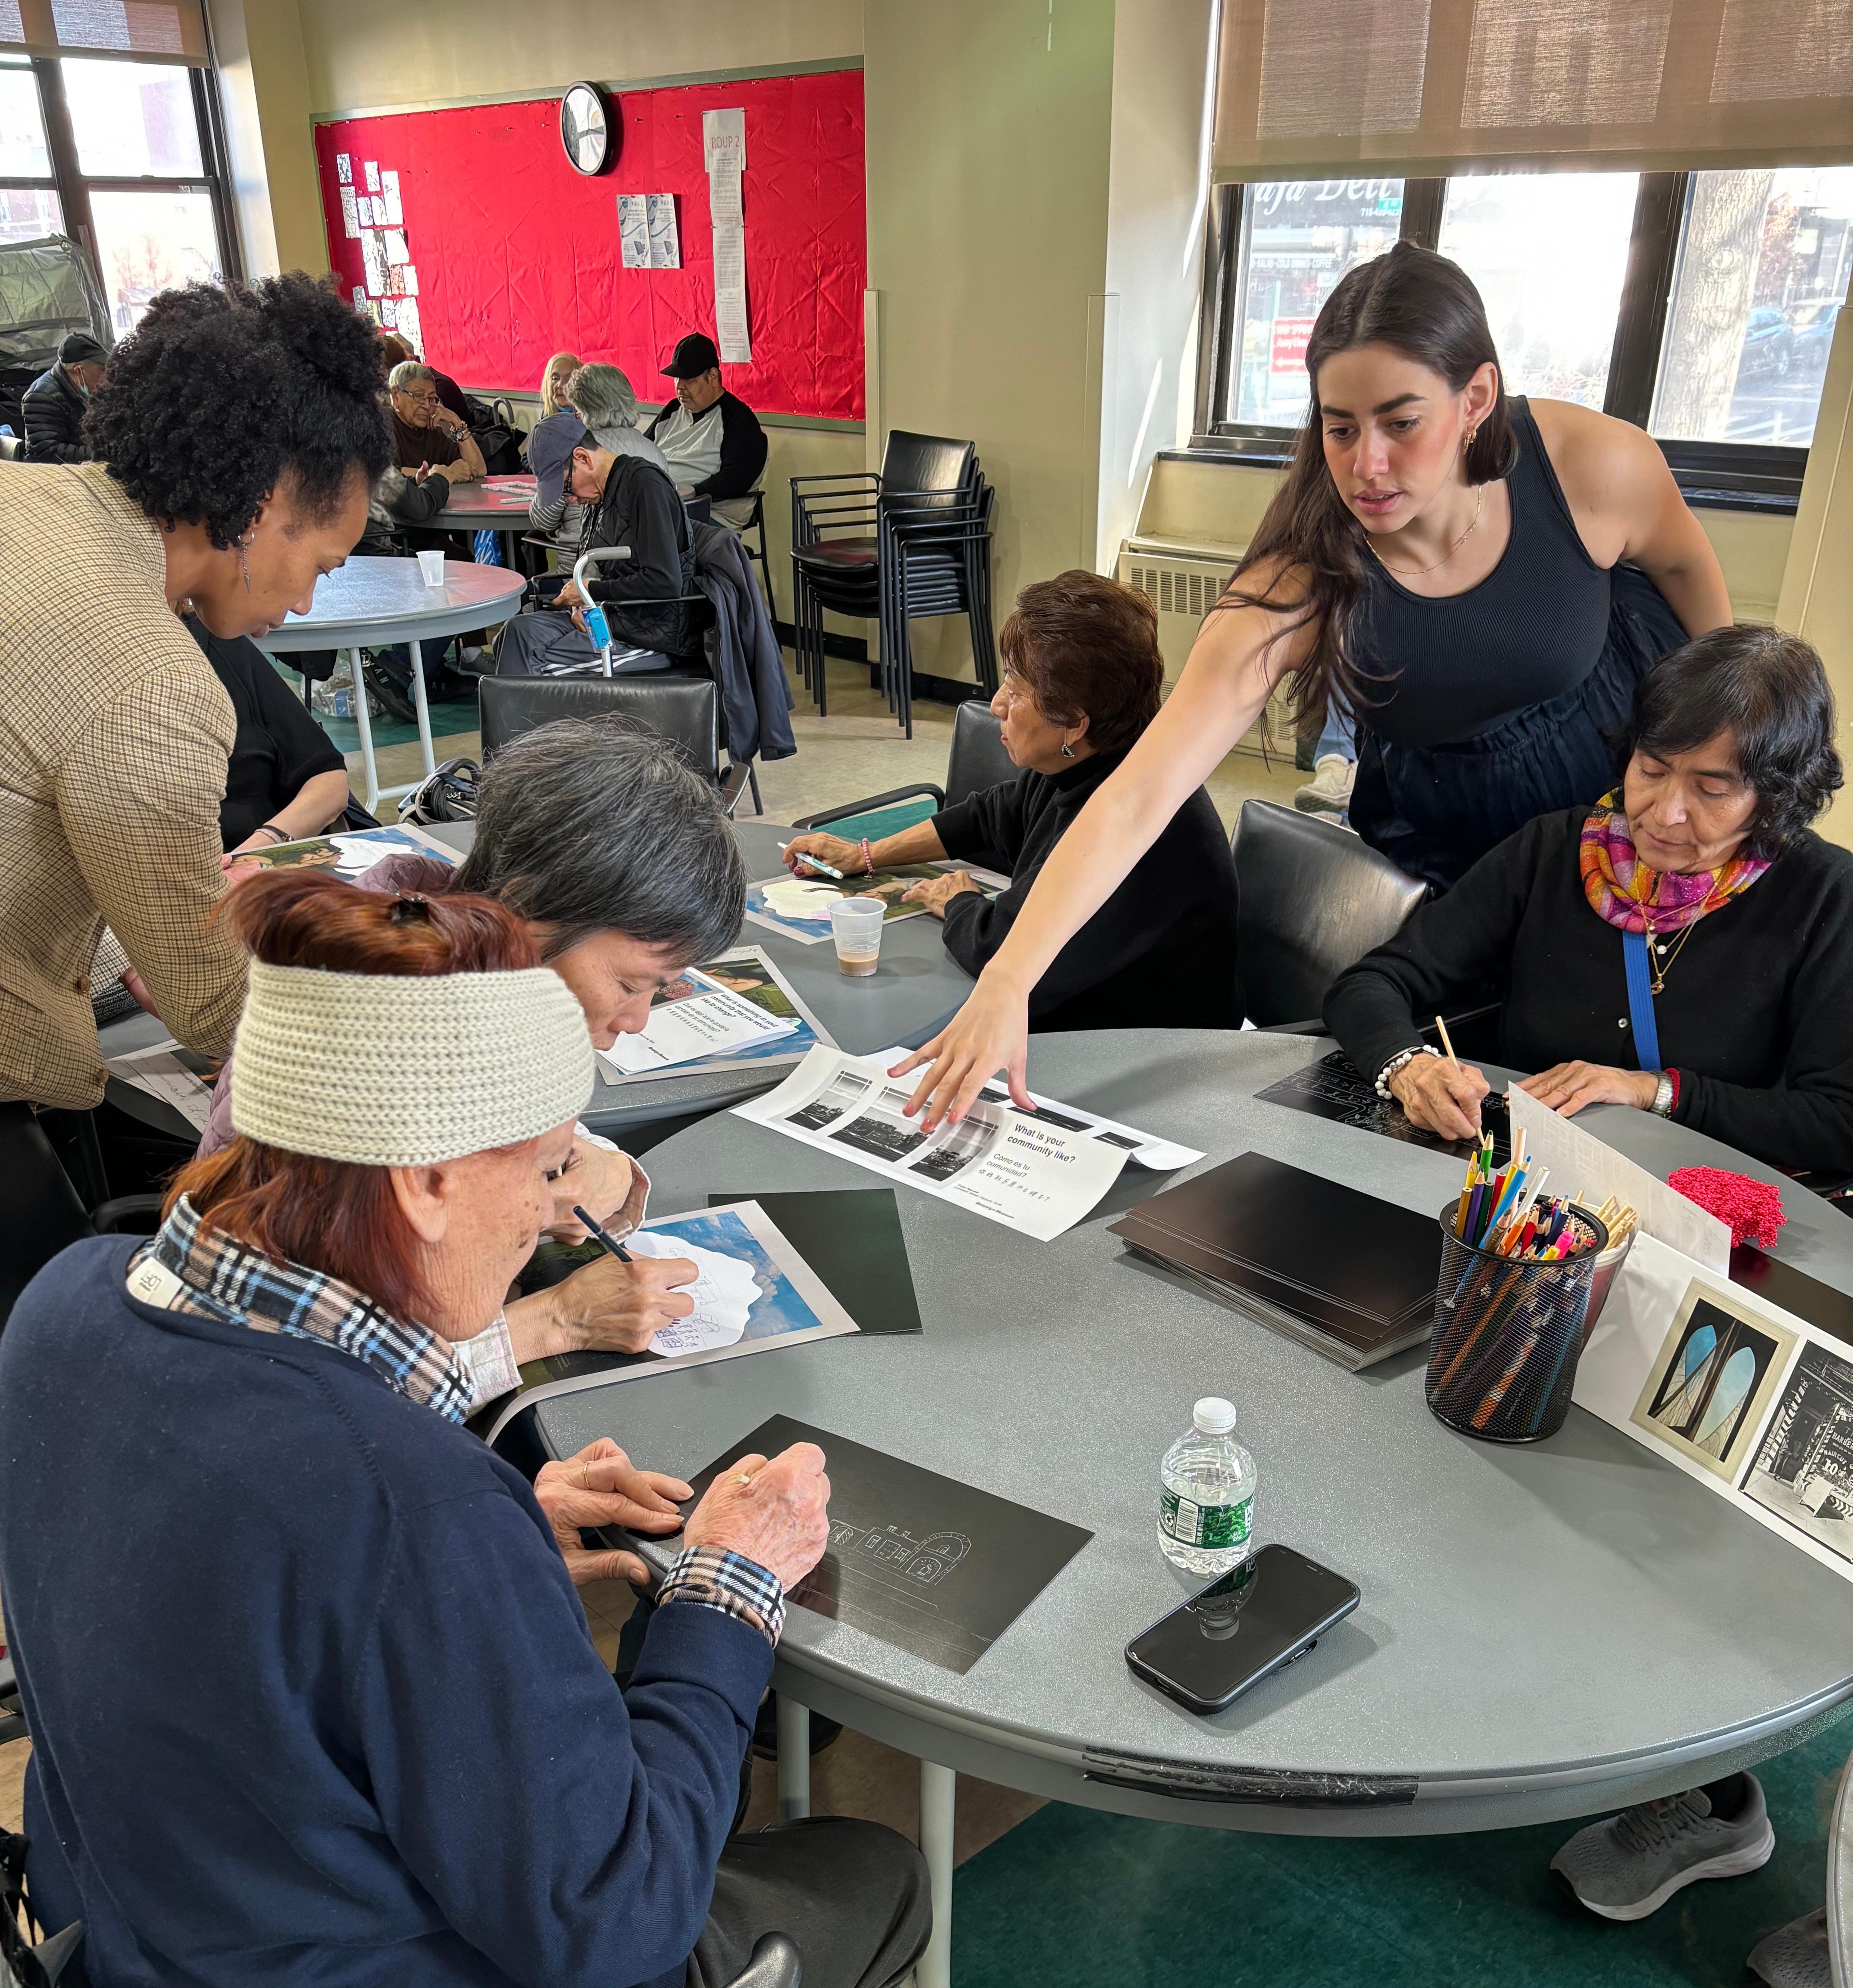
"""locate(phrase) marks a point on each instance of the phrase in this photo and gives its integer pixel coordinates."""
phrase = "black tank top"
(1533, 629)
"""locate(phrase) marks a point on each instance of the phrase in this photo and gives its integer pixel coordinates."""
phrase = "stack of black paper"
(1351, 1276)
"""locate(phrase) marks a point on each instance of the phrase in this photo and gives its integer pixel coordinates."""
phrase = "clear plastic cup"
(431, 566)
(855, 924)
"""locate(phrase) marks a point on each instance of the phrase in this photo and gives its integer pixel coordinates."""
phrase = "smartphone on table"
(1254, 1621)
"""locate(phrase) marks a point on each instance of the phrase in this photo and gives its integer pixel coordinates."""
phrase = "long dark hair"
(1426, 307)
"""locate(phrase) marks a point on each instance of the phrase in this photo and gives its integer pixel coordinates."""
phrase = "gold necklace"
(1664, 967)
(1415, 572)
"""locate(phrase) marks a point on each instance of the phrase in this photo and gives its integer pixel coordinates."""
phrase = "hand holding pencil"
(1440, 1093)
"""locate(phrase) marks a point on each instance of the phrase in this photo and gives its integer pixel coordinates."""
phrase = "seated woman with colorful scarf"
(1686, 947)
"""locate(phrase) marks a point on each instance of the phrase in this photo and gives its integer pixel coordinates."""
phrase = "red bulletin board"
(517, 256)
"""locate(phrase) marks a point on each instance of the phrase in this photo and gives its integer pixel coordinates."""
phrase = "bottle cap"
(1214, 1416)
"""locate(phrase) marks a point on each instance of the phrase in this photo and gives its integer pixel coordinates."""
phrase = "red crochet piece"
(1753, 1208)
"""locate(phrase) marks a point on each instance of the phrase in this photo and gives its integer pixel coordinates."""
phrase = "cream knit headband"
(391, 1070)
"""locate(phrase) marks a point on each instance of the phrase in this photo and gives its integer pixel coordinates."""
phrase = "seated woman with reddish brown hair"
(1082, 679)
(311, 1695)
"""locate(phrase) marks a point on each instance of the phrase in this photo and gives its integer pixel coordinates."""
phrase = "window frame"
(73, 187)
(1756, 476)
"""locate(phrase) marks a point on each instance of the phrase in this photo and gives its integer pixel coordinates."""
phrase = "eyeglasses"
(418, 399)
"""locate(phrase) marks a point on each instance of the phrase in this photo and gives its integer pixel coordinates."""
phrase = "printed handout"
(389, 193)
(1160, 1155)
(1031, 1175)
(350, 856)
(798, 906)
(699, 1019)
(634, 230)
(350, 215)
(744, 972)
(666, 242)
(787, 1304)
(1747, 1399)
(177, 1076)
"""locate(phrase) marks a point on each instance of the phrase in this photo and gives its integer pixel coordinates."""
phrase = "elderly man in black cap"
(715, 445)
(54, 403)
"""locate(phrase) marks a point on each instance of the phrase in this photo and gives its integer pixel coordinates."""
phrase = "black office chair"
(757, 523)
(912, 541)
(676, 704)
(977, 761)
(1311, 900)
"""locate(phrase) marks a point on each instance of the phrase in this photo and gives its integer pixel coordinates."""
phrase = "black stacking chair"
(677, 704)
(1311, 900)
(913, 541)
(977, 761)
(757, 523)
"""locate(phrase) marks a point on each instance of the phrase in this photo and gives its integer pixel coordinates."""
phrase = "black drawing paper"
(851, 1237)
(935, 1567)
(1334, 1089)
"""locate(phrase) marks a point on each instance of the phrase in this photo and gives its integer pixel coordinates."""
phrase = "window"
(1700, 306)
(1548, 254)
(1764, 258)
(123, 156)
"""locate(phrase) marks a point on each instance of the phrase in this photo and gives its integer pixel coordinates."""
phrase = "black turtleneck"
(1160, 953)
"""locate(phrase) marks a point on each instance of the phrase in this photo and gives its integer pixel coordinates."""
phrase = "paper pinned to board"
(350, 215)
(344, 168)
(1580, 1163)
(666, 242)
(724, 140)
(397, 255)
(634, 230)
(389, 193)
(360, 296)
(408, 322)
(371, 170)
(373, 256)
(409, 277)
(724, 154)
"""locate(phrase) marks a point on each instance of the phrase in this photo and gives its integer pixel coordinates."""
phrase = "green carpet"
(1076, 1898)
(449, 719)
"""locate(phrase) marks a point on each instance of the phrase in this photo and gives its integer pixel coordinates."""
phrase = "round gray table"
(497, 504)
(1546, 1632)
(916, 990)
(377, 602)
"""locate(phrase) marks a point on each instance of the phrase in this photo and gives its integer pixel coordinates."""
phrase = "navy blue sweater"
(311, 1695)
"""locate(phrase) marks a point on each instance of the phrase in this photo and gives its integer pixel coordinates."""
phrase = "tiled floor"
(858, 749)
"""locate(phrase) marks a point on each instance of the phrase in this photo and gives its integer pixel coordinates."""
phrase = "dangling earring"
(1467, 441)
(242, 567)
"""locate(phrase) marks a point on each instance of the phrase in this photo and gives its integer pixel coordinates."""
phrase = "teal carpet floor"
(1084, 1900)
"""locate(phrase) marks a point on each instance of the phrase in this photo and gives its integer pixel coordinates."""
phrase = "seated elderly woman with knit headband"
(1685, 947)
(310, 1691)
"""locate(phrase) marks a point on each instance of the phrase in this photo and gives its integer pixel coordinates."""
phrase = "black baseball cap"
(78, 347)
(694, 355)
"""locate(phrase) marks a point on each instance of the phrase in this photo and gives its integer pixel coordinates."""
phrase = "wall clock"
(585, 130)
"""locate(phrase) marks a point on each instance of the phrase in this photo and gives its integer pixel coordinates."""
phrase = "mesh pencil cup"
(1507, 1335)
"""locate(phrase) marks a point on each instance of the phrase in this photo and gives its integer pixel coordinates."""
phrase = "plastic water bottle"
(1206, 1509)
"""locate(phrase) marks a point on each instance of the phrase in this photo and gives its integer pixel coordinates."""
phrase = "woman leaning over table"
(311, 1695)
(1703, 862)
(623, 870)
(1481, 578)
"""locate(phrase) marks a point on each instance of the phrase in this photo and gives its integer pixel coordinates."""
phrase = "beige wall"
(987, 134)
(263, 88)
(364, 54)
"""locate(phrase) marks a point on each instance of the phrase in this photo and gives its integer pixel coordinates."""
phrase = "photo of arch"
(1709, 1389)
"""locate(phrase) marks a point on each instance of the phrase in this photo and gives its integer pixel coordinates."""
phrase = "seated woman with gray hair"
(310, 1691)
(622, 478)
(623, 870)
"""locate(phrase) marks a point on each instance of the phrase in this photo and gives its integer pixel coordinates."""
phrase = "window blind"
(155, 30)
(1424, 88)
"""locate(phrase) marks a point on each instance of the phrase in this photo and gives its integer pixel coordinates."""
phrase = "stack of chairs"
(911, 542)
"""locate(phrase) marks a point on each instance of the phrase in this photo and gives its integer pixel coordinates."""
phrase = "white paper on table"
(408, 322)
(1580, 1163)
(1034, 1176)
(372, 171)
(723, 1294)
(159, 1072)
(665, 243)
(1160, 1155)
(1750, 1460)
(634, 230)
(724, 138)
(344, 168)
(350, 215)
(374, 257)
(397, 255)
(389, 192)
(707, 1024)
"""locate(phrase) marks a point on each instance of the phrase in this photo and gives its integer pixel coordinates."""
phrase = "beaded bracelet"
(868, 860)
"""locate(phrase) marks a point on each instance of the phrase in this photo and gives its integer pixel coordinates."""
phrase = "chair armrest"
(733, 784)
(887, 799)
(1314, 1027)
(775, 1962)
(128, 1214)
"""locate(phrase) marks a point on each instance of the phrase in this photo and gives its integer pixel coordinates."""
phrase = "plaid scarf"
(1623, 892)
(227, 1280)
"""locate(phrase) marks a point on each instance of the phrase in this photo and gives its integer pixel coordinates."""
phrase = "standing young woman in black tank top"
(1481, 580)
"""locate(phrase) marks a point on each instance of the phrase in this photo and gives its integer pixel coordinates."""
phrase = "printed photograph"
(1708, 1391)
(881, 1129)
(348, 856)
(964, 1145)
(1804, 1467)
(890, 886)
(843, 1093)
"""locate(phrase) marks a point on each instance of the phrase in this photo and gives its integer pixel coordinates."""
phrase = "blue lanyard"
(1641, 1000)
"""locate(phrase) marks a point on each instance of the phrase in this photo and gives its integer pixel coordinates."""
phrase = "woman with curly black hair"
(238, 431)
(1684, 947)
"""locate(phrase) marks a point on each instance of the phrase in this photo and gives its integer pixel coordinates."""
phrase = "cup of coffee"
(431, 566)
(855, 924)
